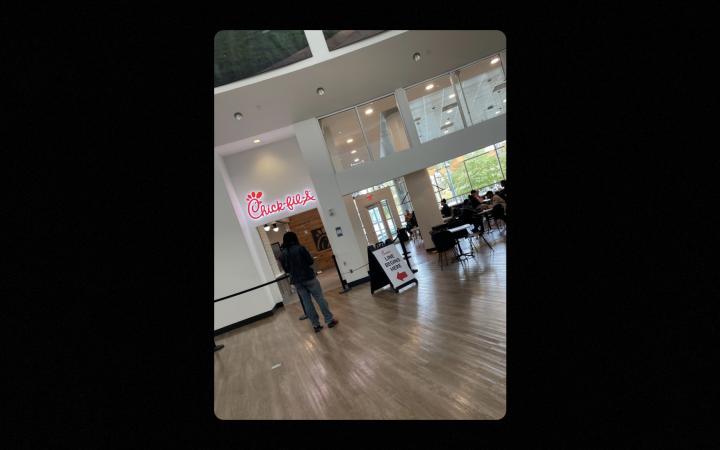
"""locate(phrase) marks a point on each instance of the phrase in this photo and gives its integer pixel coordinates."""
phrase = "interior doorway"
(311, 233)
(379, 215)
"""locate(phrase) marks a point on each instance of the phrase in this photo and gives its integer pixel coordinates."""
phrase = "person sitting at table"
(468, 215)
(408, 220)
(445, 209)
(503, 192)
(474, 199)
(496, 199)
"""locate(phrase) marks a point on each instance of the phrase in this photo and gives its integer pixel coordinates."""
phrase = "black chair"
(443, 242)
(498, 213)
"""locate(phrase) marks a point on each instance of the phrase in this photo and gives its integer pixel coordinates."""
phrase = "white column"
(332, 208)
(407, 117)
(427, 211)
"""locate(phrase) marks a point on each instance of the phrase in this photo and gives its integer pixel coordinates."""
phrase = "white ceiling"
(349, 79)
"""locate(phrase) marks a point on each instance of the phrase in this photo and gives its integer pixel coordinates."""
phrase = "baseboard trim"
(252, 319)
(358, 282)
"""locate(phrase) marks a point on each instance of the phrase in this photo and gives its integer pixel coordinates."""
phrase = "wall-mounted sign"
(257, 210)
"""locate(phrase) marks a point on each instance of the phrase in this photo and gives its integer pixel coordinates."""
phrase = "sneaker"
(333, 323)
(317, 328)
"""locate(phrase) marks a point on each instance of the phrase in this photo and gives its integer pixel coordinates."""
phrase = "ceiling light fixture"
(275, 227)
(353, 152)
(446, 131)
(320, 91)
(451, 96)
(368, 111)
(238, 116)
(349, 141)
(495, 60)
(497, 112)
(416, 56)
(267, 227)
(429, 86)
(448, 122)
(504, 100)
(256, 141)
(356, 160)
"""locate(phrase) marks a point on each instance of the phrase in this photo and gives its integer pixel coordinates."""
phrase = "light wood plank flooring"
(435, 351)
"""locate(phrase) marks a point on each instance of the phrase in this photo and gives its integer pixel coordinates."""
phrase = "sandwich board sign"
(388, 267)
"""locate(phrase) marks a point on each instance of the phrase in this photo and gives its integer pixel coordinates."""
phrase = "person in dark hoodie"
(297, 261)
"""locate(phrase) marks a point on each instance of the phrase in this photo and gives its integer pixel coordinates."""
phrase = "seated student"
(496, 200)
(445, 209)
(473, 199)
(468, 215)
(503, 192)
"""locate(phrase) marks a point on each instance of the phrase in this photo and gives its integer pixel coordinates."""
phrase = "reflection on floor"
(434, 351)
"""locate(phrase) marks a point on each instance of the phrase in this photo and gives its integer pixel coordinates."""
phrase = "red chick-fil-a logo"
(256, 209)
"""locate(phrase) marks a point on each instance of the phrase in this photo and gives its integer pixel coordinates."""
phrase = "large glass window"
(435, 108)
(483, 86)
(481, 170)
(241, 54)
(345, 140)
(372, 130)
(384, 128)
(336, 39)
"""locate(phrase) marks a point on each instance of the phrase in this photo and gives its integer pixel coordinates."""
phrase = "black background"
(611, 334)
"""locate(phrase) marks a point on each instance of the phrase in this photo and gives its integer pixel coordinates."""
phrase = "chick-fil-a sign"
(257, 210)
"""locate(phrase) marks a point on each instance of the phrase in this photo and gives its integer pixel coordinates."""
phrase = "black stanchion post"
(405, 252)
(346, 286)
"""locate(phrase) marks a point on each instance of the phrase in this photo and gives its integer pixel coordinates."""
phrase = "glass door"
(378, 224)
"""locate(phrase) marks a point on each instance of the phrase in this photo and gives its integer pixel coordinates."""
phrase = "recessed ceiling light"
(368, 111)
(504, 100)
(356, 160)
(429, 86)
(238, 116)
(497, 112)
(445, 131)
(449, 111)
(256, 141)
(416, 57)
(495, 60)
(353, 152)
(448, 122)
(451, 96)
(349, 141)
(320, 91)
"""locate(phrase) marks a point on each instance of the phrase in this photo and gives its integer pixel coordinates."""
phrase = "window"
(372, 130)
(240, 54)
(336, 39)
(376, 219)
(345, 140)
(481, 170)
(384, 128)
(389, 218)
(435, 108)
(483, 87)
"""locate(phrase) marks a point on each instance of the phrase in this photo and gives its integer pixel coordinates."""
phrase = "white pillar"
(427, 211)
(332, 207)
(406, 114)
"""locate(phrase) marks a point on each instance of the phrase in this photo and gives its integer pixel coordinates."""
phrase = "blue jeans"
(305, 288)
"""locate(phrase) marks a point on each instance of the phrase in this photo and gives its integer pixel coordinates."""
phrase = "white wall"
(235, 268)
(276, 169)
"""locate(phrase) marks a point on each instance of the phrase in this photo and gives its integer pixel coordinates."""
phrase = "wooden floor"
(435, 351)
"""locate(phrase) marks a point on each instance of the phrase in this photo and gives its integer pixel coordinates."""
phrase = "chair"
(443, 242)
(498, 213)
